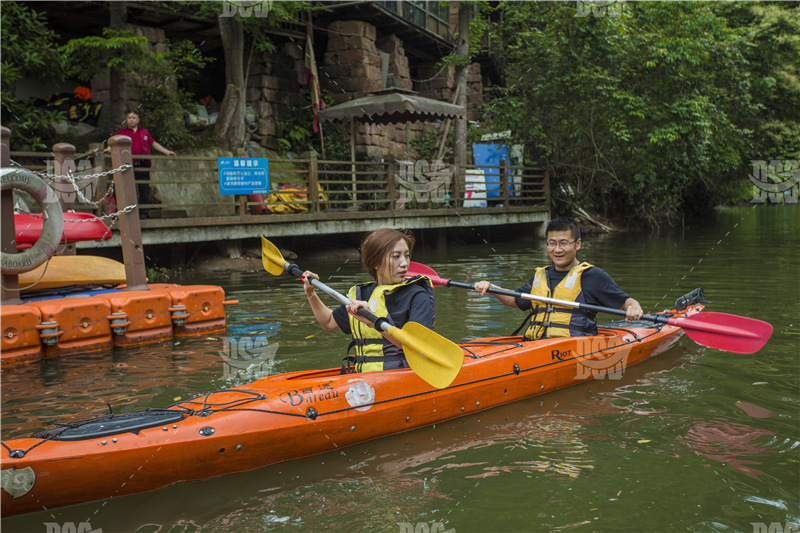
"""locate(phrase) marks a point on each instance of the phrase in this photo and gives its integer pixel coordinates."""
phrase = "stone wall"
(156, 42)
(440, 83)
(352, 68)
(274, 88)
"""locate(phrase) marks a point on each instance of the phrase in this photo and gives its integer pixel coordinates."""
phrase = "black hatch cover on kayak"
(113, 425)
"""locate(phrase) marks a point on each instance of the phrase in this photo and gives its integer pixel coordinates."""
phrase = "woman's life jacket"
(372, 350)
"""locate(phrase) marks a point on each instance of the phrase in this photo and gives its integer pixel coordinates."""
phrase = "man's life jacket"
(371, 349)
(549, 321)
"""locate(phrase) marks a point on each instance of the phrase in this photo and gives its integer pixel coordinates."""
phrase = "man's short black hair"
(564, 224)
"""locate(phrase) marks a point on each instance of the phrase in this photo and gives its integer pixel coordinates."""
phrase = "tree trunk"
(462, 50)
(231, 128)
(118, 86)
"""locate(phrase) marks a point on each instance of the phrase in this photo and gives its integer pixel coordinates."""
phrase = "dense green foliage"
(156, 74)
(642, 111)
(648, 112)
(28, 50)
(773, 55)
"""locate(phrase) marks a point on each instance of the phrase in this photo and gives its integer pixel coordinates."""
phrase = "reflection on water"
(693, 440)
(728, 442)
(66, 389)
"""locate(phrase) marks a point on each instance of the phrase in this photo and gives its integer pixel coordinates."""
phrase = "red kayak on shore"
(77, 227)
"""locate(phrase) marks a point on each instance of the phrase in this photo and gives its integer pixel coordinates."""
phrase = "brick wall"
(156, 42)
(439, 83)
(274, 88)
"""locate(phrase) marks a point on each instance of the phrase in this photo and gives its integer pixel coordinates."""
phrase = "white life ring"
(53, 226)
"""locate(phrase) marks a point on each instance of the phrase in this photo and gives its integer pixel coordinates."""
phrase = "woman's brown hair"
(378, 244)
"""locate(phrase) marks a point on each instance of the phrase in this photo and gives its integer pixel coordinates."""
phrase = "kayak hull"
(77, 227)
(299, 414)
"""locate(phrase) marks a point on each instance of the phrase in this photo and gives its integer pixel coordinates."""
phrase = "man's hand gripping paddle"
(721, 331)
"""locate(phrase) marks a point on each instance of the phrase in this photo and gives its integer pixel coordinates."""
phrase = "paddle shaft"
(685, 323)
(554, 301)
(379, 323)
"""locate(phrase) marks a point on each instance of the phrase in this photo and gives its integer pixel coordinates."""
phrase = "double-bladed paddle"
(720, 331)
(432, 357)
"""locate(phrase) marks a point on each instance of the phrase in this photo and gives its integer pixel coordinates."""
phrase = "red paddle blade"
(418, 269)
(721, 331)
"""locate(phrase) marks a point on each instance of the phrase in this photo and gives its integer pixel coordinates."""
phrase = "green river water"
(692, 440)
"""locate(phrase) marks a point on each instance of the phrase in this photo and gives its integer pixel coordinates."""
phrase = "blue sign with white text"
(243, 175)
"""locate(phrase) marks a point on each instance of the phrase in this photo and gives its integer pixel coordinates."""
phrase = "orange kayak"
(298, 414)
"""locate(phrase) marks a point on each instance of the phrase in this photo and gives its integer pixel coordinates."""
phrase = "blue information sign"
(243, 175)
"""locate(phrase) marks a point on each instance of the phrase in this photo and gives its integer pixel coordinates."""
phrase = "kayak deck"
(298, 414)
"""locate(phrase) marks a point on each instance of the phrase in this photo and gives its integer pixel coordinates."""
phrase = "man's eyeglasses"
(563, 244)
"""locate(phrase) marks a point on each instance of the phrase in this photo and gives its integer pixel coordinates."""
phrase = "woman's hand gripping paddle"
(721, 331)
(432, 357)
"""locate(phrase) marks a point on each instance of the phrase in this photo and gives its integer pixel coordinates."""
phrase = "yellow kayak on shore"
(69, 270)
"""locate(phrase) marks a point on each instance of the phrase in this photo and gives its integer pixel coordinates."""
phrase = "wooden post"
(64, 155)
(441, 240)
(504, 182)
(10, 282)
(546, 186)
(313, 182)
(101, 185)
(241, 152)
(354, 207)
(130, 229)
(391, 186)
(458, 186)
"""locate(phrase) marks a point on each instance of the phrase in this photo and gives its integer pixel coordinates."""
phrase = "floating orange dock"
(86, 318)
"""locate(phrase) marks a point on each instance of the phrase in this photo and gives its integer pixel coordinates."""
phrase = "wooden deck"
(353, 197)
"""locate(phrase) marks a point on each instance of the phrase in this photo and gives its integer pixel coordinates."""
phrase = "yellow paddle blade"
(271, 258)
(432, 357)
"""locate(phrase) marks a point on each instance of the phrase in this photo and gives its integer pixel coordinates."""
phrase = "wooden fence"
(188, 187)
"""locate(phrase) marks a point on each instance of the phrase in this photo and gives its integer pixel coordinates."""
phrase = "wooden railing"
(188, 186)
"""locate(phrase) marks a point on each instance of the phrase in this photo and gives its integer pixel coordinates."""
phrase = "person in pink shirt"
(141, 143)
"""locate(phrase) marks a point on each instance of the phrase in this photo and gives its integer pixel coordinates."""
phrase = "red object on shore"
(77, 227)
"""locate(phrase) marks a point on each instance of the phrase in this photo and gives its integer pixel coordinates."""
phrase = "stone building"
(358, 56)
(359, 47)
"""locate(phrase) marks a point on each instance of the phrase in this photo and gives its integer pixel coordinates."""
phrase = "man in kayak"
(386, 254)
(566, 279)
(141, 141)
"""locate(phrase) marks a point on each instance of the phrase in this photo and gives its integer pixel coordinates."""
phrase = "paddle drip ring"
(53, 225)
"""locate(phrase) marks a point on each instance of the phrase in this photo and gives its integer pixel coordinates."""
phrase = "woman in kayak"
(567, 279)
(386, 254)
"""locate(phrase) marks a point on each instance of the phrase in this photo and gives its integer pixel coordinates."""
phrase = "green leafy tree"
(29, 51)
(773, 29)
(241, 23)
(635, 114)
(155, 74)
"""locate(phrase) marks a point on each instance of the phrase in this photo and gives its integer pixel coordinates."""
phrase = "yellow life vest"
(550, 321)
(371, 349)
